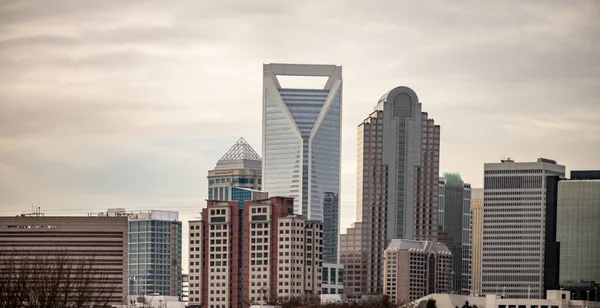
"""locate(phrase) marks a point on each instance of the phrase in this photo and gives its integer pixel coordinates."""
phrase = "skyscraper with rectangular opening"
(301, 144)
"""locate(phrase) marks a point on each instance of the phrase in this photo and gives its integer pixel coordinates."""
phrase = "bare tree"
(431, 303)
(55, 280)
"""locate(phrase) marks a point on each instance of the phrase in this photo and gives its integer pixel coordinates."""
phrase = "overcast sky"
(128, 104)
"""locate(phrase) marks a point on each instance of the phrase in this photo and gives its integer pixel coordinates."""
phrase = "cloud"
(112, 104)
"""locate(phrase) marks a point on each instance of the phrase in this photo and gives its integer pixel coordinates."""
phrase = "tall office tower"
(413, 269)
(301, 144)
(239, 167)
(51, 250)
(578, 232)
(477, 209)
(455, 210)
(237, 177)
(397, 187)
(551, 245)
(514, 226)
(277, 255)
(154, 251)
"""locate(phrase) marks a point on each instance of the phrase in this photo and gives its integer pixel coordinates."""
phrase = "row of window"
(512, 171)
(234, 180)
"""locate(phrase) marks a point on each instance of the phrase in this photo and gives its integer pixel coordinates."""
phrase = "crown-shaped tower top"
(240, 156)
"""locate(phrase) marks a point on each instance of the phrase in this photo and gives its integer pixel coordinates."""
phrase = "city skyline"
(132, 107)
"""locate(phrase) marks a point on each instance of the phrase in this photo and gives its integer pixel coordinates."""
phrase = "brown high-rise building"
(413, 269)
(242, 255)
(397, 187)
(92, 249)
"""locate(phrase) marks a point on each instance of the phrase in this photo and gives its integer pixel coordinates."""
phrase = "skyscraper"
(301, 144)
(410, 152)
(397, 187)
(514, 226)
(455, 211)
(477, 208)
(578, 232)
(240, 166)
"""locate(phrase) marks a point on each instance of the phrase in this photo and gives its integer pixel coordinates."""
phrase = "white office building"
(301, 145)
(554, 299)
(514, 224)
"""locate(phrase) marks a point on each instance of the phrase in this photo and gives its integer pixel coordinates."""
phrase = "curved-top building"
(397, 187)
(301, 145)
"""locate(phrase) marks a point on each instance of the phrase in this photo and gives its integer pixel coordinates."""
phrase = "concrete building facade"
(45, 240)
(354, 260)
(239, 167)
(554, 299)
(514, 226)
(302, 142)
(154, 301)
(477, 209)
(185, 288)
(265, 254)
(456, 221)
(397, 187)
(578, 234)
(333, 279)
(238, 196)
(413, 269)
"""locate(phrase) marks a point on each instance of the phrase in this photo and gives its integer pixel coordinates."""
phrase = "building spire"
(242, 155)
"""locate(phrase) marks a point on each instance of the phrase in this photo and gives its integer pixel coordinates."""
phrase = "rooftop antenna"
(507, 159)
(35, 212)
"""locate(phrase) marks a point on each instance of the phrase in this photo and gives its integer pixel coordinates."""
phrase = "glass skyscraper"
(456, 221)
(578, 232)
(301, 145)
(154, 253)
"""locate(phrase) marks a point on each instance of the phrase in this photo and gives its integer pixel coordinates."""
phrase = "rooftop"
(240, 156)
(412, 245)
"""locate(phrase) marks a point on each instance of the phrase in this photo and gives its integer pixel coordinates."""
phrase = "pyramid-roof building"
(240, 156)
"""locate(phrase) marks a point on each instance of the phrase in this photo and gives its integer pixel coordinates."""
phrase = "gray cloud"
(108, 103)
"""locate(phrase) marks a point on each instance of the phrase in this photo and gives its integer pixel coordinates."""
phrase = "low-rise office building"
(333, 278)
(154, 251)
(554, 299)
(59, 249)
(413, 269)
